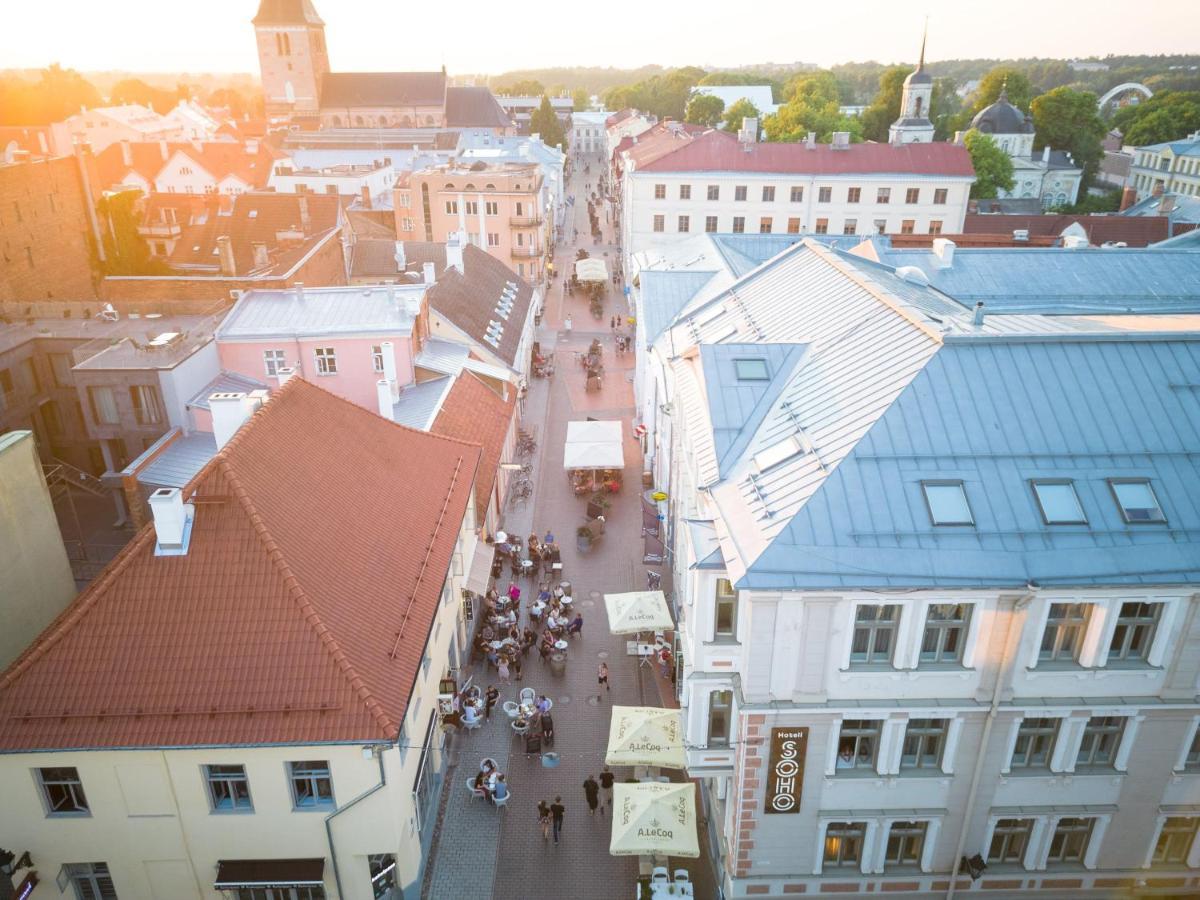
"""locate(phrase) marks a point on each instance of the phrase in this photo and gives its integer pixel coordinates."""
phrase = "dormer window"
(1137, 501)
(947, 503)
(751, 370)
(1059, 503)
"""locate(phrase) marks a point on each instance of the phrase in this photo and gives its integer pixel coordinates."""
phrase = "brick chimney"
(1158, 189)
(305, 218)
(225, 255)
(1128, 198)
(126, 154)
(366, 197)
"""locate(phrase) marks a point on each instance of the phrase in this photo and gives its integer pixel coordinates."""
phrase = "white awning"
(591, 270)
(593, 445)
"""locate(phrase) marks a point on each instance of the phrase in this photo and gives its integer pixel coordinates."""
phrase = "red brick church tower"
(291, 56)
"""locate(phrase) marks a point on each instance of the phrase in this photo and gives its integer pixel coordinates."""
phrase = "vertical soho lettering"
(785, 772)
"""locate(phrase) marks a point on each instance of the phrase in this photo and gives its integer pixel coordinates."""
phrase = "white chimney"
(282, 375)
(401, 260)
(977, 319)
(1075, 242)
(454, 250)
(943, 249)
(162, 148)
(229, 411)
(171, 517)
(841, 140)
(428, 270)
(749, 130)
(389, 367)
(126, 154)
(1046, 154)
(811, 141)
(299, 288)
(383, 393)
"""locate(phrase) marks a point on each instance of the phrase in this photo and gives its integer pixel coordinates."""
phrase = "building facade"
(1172, 167)
(588, 135)
(292, 56)
(916, 103)
(677, 185)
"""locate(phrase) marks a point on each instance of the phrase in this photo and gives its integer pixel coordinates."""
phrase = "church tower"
(914, 125)
(291, 56)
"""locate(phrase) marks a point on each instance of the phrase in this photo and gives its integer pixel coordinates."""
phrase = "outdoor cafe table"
(560, 645)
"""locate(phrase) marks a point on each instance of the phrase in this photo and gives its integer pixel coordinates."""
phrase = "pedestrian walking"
(490, 698)
(543, 813)
(557, 812)
(612, 324)
(601, 677)
(606, 785)
(502, 670)
(591, 790)
(516, 666)
(567, 324)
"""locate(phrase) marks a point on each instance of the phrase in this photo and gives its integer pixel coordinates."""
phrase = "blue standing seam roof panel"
(664, 292)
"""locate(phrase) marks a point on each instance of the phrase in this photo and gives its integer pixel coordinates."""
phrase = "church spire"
(924, 35)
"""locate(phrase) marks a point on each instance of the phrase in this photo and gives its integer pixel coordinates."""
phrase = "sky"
(396, 35)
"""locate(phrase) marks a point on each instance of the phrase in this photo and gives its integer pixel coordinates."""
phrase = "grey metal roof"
(1002, 117)
(1054, 280)
(442, 356)
(223, 383)
(1178, 207)
(663, 293)
(419, 403)
(996, 414)
(743, 252)
(376, 309)
(179, 461)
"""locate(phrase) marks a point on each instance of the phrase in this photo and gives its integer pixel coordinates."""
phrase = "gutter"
(377, 750)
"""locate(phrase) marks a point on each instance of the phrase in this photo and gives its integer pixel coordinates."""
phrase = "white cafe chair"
(659, 875)
(501, 802)
(475, 795)
(682, 875)
(511, 709)
(528, 695)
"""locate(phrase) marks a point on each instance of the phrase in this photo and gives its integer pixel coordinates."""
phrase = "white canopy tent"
(635, 611)
(593, 445)
(653, 817)
(591, 270)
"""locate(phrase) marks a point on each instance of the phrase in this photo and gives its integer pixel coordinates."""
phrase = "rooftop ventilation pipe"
(977, 319)
(383, 393)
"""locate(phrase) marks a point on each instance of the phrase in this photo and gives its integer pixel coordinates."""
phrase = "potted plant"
(583, 539)
(598, 505)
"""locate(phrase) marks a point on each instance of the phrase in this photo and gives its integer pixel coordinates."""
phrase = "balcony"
(526, 252)
(525, 221)
(160, 229)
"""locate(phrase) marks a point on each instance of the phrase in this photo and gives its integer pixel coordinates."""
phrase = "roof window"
(751, 370)
(1059, 503)
(777, 453)
(947, 502)
(1137, 500)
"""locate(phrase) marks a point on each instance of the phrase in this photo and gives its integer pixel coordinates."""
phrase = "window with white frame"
(844, 845)
(1066, 624)
(491, 208)
(710, 224)
(660, 192)
(714, 192)
(874, 634)
(685, 192)
(739, 192)
(797, 194)
(905, 844)
(1070, 841)
(1010, 839)
(1058, 502)
(768, 193)
(924, 744)
(660, 223)
(326, 361)
(1035, 743)
(720, 714)
(1191, 758)
(228, 789)
(858, 744)
(1101, 738)
(945, 632)
(377, 357)
(91, 881)
(725, 618)
(273, 361)
(1134, 633)
(1137, 500)
(312, 784)
(426, 784)
(452, 207)
(947, 503)
(1175, 840)
(62, 791)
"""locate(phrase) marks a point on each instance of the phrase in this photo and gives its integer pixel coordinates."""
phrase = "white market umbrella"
(653, 817)
(637, 611)
(591, 270)
(645, 736)
(593, 445)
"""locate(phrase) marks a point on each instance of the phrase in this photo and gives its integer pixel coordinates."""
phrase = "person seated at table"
(493, 656)
(576, 625)
(499, 789)
(533, 544)
(543, 704)
(544, 595)
(549, 538)
(514, 592)
(480, 785)
(470, 715)
(528, 638)
(487, 632)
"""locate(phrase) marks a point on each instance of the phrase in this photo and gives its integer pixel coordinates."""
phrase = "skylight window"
(1059, 503)
(1137, 500)
(947, 502)
(751, 370)
(777, 453)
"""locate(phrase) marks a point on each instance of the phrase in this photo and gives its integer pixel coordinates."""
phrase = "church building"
(914, 125)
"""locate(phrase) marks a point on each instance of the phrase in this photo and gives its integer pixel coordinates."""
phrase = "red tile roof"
(719, 151)
(219, 158)
(299, 614)
(473, 412)
(1133, 230)
(659, 140)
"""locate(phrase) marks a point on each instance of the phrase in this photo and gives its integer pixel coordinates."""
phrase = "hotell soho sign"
(785, 769)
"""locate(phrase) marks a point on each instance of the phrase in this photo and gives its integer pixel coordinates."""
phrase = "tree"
(993, 167)
(544, 121)
(1012, 81)
(57, 93)
(813, 104)
(741, 109)
(581, 100)
(885, 107)
(237, 103)
(526, 87)
(1066, 119)
(665, 95)
(134, 90)
(126, 252)
(1167, 116)
(705, 109)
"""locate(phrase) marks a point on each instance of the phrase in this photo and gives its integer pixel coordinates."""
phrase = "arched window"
(337, 121)
(385, 122)
(358, 120)
(920, 100)
(449, 187)
(489, 187)
(469, 187)
(429, 120)
(406, 122)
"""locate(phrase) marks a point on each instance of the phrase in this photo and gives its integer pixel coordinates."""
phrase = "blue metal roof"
(419, 403)
(1056, 281)
(179, 462)
(664, 292)
(225, 382)
(995, 414)
(743, 252)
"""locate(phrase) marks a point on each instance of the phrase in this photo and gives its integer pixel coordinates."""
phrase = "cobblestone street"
(480, 851)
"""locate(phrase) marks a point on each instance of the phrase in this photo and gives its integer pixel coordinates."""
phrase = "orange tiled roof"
(299, 614)
(473, 412)
(219, 158)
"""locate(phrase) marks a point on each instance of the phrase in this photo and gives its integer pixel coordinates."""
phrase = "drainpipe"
(337, 875)
(976, 775)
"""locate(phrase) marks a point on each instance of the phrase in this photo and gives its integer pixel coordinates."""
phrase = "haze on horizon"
(369, 35)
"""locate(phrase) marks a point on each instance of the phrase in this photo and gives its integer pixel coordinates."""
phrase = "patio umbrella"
(645, 736)
(653, 817)
(637, 611)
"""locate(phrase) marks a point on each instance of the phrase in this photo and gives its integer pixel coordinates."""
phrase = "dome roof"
(1002, 118)
(918, 76)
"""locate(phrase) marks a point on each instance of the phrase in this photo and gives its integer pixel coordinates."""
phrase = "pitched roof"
(474, 107)
(469, 299)
(718, 151)
(286, 12)
(1134, 231)
(351, 89)
(298, 615)
(473, 412)
(373, 258)
(220, 159)
(323, 312)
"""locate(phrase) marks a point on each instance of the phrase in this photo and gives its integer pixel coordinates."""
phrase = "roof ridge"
(300, 597)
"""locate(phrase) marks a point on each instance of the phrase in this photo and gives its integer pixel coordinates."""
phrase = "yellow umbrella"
(653, 817)
(645, 736)
(637, 611)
